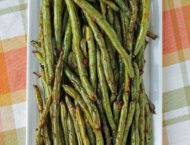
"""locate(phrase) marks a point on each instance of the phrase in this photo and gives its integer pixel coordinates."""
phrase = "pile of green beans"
(91, 55)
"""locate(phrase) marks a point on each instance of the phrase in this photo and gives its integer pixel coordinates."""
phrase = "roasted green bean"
(91, 56)
(76, 48)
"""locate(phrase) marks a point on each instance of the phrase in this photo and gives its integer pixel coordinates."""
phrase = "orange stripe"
(16, 68)
(186, 12)
(176, 33)
(182, 28)
(13, 43)
(169, 44)
(4, 83)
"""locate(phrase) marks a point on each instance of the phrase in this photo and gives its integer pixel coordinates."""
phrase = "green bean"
(104, 91)
(96, 16)
(140, 57)
(83, 47)
(39, 100)
(39, 56)
(84, 27)
(40, 35)
(116, 111)
(110, 16)
(47, 38)
(120, 93)
(76, 47)
(122, 5)
(48, 90)
(105, 127)
(91, 106)
(148, 125)
(152, 35)
(58, 9)
(66, 46)
(151, 105)
(125, 25)
(46, 136)
(90, 133)
(82, 126)
(71, 131)
(71, 92)
(72, 111)
(143, 27)
(127, 37)
(64, 115)
(103, 8)
(46, 87)
(133, 135)
(136, 119)
(122, 120)
(37, 74)
(45, 61)
(121, 78)
(44, 131)
(104, 55)
(137, 77)
(37, 45)
(112, 98)
(134, 7)
(110, 47)
(129, 121)
(44, 113)
(93, 1)
(92, 57)
(142, 118)
(130, 38)
(99, 137)
(117, 26)
(39, 139)
(112, 59)
(57, 140)
(72, 62)
(110, 4)
(65, 21)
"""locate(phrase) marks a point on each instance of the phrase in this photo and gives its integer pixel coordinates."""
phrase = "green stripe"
(176, 120)
(175, 99)
(24, 17)
(21, 136)
(13, 9)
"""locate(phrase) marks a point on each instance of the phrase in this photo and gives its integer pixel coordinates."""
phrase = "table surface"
(176, 72)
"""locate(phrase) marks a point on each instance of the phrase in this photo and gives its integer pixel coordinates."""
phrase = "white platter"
(152, 75)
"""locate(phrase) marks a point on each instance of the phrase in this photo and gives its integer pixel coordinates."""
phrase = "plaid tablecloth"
(13, 26)
(176, 72)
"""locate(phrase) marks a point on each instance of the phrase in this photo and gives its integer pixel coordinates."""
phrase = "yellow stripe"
(1, 47)
(13, 43)
(172, 4)
(18, 96)
(165, 136)
(176, 57)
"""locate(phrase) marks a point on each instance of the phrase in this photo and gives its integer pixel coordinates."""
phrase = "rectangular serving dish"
(152, 74)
